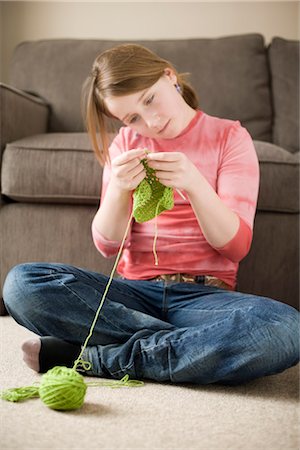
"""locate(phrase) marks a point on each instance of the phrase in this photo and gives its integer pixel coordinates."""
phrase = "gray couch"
(51, 182)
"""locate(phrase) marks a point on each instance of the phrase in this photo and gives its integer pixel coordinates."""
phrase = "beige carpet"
(260, 415)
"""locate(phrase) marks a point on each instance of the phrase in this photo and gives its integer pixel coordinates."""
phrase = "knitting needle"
(181, 194)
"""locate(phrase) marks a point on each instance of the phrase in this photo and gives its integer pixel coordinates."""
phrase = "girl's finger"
(164, 176)
(168, 166)
(130, 155)
(136, 170)
(138, 178)
(128, 165)
(164, 156)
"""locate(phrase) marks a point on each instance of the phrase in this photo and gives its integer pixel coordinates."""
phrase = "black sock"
(56, 352)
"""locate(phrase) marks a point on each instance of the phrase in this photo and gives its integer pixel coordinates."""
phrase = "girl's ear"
(170, 74)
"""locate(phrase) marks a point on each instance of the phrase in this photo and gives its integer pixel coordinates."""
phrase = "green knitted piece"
(151, 197)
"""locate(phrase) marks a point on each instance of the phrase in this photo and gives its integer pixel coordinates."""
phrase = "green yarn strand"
(20, 394)
(63, 388)
(124, 382)
(79, 362)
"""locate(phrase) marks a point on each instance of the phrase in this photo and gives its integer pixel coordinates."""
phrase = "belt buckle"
(186, 278)
(169, 277)
(172, 277)
(178, 278)
(175, 277)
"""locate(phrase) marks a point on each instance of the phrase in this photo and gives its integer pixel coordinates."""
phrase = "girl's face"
(156, 112)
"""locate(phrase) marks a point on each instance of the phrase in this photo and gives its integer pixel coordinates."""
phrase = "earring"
(178, 88)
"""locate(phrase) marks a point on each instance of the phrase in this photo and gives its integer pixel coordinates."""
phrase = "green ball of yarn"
(62, 388)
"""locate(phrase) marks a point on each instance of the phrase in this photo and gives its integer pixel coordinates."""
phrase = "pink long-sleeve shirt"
(224, 153)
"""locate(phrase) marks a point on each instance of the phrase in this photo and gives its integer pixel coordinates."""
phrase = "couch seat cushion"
(54, 167)
(61, 168)
(279, 178)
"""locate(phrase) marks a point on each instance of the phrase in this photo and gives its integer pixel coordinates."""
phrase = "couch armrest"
(21, 115)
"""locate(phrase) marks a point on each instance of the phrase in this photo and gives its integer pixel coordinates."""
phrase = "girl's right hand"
(127, 169)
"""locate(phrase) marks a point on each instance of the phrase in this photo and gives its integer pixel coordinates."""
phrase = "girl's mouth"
(164, 127)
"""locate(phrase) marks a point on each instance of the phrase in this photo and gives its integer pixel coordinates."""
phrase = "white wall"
(141, 20)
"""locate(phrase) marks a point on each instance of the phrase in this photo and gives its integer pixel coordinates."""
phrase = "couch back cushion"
(284, 66)
(230, 76)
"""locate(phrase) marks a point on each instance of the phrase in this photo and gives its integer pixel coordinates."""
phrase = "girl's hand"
(127, 169)
(174, 169)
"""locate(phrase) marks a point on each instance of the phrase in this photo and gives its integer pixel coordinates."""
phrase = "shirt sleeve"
(106, 247)
(237, 186)
(238, 247)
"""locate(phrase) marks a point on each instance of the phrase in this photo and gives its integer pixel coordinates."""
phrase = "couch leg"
(3, 311)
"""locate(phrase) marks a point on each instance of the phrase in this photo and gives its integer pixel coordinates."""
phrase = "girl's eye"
(133, 119)
(149, 100)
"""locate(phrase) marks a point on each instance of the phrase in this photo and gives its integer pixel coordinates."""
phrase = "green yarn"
(21, 393)
(151, 197)
(124, 382)
(63, 388)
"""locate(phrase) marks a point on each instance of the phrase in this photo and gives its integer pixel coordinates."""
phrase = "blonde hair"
(122, 70)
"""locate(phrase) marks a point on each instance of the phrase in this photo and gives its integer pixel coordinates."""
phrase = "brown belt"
(187, 278)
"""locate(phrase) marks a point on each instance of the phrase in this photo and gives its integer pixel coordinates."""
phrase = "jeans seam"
(115, 283)
(164, 308)
(123, 371)
(82, 300)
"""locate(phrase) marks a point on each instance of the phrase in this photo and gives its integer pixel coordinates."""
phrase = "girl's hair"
(122, 70)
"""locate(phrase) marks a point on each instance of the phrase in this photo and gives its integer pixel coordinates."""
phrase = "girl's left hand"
(174, 169)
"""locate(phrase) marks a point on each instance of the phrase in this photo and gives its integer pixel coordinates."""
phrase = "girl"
(180, 320)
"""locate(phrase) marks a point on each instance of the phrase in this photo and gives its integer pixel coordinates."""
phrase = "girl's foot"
(31, 350)
(41, 354)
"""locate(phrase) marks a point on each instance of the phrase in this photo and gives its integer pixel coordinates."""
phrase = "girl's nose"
(153, 121)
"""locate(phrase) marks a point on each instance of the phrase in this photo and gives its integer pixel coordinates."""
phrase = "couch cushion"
(279, 178)
(230, 75)
(284, 66)
(61, 168)
(54, 167)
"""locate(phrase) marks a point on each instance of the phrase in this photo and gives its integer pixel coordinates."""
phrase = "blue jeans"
(178, 332)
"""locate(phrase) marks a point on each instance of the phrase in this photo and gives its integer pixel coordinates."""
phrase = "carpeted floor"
(262, 414)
